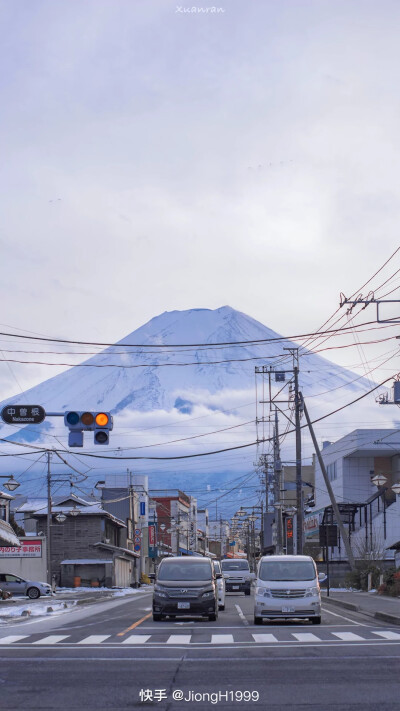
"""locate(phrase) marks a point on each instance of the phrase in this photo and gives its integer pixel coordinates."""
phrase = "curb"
(382, 616)
(91, 600)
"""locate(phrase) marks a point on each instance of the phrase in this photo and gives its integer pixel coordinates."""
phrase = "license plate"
(235, 587)
(183, 605)
(288, 609)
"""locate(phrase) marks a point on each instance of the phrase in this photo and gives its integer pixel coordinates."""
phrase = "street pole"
(277, 484)
(48, 547)
(299, 492)
(335, 507)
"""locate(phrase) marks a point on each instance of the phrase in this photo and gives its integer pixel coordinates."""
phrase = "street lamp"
(379, 480)
(74, 511)
(11, 484)
(60, 517)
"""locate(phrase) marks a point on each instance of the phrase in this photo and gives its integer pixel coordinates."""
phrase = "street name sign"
(23, 414)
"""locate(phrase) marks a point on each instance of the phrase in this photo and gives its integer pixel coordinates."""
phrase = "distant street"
(111, 654)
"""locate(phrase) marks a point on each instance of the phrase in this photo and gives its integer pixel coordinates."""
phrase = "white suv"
(287, 587)
(220, 585)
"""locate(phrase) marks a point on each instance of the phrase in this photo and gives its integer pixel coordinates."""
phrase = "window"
(331, 471)
(228, 565)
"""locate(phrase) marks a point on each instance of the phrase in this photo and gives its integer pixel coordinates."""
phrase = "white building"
(372, 514)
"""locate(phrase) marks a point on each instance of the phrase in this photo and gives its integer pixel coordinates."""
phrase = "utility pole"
(335, 507)
(49, 514)
(277, 485)
(298, 403)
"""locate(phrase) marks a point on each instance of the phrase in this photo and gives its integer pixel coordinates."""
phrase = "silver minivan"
(287, 587)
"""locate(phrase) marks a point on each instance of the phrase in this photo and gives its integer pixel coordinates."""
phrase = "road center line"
(135, 624)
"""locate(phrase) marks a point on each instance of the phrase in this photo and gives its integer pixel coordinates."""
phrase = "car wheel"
(316, 620)
(157, 617)
(33, 593)
(257, 620)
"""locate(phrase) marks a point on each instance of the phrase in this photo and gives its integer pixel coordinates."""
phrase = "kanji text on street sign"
(23, 414)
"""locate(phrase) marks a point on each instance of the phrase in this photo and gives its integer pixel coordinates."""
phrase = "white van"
(287, 587)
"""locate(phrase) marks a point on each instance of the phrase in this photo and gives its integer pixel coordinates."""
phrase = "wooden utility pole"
(335, 507)
(299, 483)
(49, 514)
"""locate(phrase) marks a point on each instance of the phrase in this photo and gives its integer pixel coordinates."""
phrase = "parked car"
(236, 572)
(287, 587)
(185, 586)
(220, 585)
(19, 586)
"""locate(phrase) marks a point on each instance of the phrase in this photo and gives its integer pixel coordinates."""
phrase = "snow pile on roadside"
(115, 592)
(36, 609)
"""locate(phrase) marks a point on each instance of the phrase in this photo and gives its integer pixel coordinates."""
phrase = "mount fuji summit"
(173, 392)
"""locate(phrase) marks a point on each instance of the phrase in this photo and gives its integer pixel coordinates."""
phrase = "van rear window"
(235, 565)
(285, 571)
(184, 571)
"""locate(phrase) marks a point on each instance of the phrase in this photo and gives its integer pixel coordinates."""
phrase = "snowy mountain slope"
(152, 387)
(156, 401)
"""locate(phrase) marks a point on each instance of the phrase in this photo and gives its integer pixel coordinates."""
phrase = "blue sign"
(136, 547)
(143, 508)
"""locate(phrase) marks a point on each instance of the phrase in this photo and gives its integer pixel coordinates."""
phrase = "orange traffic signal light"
(102, 419)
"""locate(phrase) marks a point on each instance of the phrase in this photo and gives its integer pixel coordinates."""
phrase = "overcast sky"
(156, 160)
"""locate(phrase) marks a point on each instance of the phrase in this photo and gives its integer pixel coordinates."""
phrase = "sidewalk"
(381, 607)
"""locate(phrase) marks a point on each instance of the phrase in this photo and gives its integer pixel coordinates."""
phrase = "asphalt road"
(111, 655)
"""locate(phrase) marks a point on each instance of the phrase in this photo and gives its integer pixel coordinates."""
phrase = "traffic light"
(102, 427)
(78, 422)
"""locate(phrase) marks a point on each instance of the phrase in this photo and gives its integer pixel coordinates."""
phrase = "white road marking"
(336, 614)
(13, 638)
(94, 639)
(264, 638)
(306, 637)
(179, 639)
(222, 639)
(241, 615)
(52, 639)
(387, 635)
(349, 636)
(136, 639)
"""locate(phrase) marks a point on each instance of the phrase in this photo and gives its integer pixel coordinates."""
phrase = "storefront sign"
(152, 542)
(28, 549)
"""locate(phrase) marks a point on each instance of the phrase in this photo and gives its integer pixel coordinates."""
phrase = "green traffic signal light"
(73, 418)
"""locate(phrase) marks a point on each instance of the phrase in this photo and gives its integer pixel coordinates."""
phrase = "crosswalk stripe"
(306, 637)
(264, 638)
(222, 639)
(179, 639)
(13, 638)
(94, 639)
(52, 639)
(349, 636)
(136, 639)
(388, 635)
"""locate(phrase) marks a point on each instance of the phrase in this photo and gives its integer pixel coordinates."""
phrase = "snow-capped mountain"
(163, 394)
